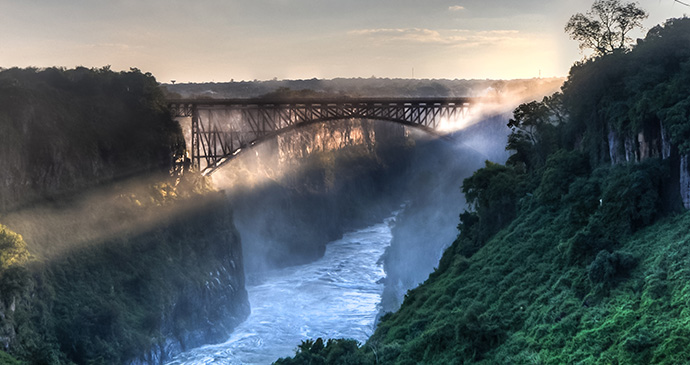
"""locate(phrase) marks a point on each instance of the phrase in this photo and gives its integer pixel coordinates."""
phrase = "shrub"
(592, 238)
(561, 169)
(631, 195)
(641, 340)
(6, 359)
(12, 249)
(607, 267)
(493, 192)
(313, 352)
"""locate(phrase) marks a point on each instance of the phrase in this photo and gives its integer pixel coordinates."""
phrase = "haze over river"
(335, 297)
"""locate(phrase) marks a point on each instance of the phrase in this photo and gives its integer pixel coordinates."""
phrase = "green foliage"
(515, 301)
(621, 95)
(613, 202)
(336, 352)
(574, 260)
(64, 130)
(493, 192)
(608, 266)
(561, 169)
(14, 278)
(6, 359)
(534, 132)
(12, 249)
(113, 301)
(604, 29)
(631, 195)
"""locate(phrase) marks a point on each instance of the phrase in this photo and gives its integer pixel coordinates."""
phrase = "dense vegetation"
(144, 293)
(65, 130)
(118, 259)
(575, 251)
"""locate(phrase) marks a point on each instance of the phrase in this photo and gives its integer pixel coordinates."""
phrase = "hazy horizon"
(218, 41)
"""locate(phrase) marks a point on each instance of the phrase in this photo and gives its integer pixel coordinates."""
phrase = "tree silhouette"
(606, 25)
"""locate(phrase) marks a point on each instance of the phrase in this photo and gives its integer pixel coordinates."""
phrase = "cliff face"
(140, 296)
(652, 143)
(629, 107)
(685, 181)
(121, 263)
(62, 131)
(206, 309)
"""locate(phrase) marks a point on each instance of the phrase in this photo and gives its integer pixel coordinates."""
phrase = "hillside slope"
(576, 250)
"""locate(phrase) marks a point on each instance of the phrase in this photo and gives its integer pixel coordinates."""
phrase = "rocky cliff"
(118, 260)
(63, 131)
(170, 280)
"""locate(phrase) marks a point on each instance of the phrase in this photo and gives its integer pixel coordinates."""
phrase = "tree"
(605, 28)
(533, 134)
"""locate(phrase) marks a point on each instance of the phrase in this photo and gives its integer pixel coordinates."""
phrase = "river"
(337, 296)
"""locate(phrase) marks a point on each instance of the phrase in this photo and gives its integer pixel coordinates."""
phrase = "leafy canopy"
(605, 27)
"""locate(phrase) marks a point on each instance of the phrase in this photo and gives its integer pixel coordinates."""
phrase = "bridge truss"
(221, 128)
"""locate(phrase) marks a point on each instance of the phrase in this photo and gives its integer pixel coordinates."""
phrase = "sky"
(224, 40)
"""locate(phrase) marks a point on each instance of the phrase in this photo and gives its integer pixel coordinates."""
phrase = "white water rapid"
(335, 297)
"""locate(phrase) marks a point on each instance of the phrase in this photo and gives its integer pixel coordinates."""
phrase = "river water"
(337, 296)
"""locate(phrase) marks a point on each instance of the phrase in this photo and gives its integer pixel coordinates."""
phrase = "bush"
(640, 340)
(336, 352)
(631, 195)
(592, 238)
(493, 192)
(561, 169)
(582, 200)
(6, 359)
(12, 249)
(14, 278)
(630, 199)
(607, 267)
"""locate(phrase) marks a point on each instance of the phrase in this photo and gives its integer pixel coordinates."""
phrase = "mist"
(323, 208)
(294, 194)
(54, 227)
(434, 200)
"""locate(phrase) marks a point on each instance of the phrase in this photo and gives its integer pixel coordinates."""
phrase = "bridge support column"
(195, 155)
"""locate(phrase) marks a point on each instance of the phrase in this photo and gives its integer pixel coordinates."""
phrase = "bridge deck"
(327, 100)
(221, 128)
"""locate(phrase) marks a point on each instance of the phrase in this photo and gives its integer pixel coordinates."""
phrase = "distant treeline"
(371, 87)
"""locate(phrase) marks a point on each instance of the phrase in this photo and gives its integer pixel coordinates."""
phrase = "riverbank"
(336, 295)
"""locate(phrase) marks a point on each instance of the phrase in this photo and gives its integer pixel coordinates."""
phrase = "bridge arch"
(222, 128)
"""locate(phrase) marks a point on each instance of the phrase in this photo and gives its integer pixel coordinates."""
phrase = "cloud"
(456, 8)
(416, 35)
(445, 37)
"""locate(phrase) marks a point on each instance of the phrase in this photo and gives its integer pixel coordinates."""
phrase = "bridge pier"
(195, 153)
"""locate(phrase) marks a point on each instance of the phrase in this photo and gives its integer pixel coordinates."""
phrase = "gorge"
(125, 258)
(571, 245)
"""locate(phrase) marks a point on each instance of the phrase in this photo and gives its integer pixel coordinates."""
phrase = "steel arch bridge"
(221, 128)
